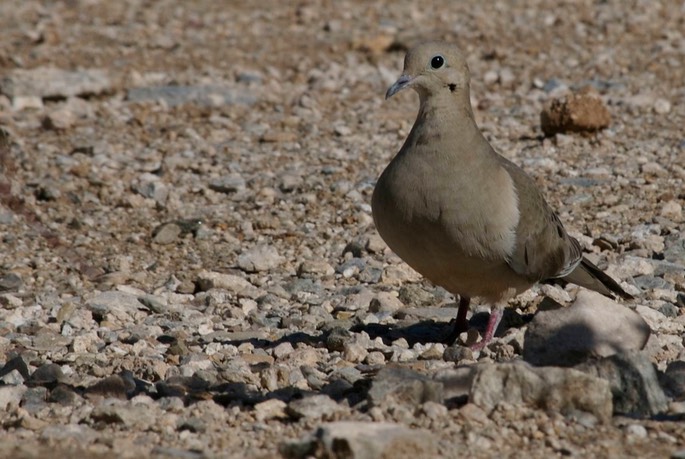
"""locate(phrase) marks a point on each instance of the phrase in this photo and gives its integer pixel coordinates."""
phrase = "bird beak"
(401, 83)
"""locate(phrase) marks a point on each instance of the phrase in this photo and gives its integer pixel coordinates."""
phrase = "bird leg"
(460, 323)
(494, 320)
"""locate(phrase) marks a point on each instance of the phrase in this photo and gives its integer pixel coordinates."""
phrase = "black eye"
(437, 61)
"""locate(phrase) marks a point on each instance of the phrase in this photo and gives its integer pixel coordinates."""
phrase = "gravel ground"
(189, 266)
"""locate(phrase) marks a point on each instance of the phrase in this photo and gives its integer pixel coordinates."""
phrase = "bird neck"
(452, 111)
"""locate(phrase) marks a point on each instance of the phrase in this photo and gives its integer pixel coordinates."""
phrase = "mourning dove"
(460, 214)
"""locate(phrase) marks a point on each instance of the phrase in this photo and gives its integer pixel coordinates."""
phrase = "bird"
(462, 215)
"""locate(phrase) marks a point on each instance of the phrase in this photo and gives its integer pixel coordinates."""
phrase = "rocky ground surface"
(189, 266)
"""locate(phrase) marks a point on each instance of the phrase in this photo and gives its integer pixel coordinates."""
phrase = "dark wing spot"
(525, 255)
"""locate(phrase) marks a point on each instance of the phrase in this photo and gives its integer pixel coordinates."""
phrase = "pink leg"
(494, 320)
(460, 324)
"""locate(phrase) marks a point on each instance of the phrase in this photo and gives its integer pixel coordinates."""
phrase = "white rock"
(672, 209)
(259, 258)
(270, 409)
(593, 325)
(662, 106)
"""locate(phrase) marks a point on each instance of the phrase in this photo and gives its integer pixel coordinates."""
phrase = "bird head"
(431, 68)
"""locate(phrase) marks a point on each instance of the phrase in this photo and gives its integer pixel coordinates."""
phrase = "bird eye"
(437, 61)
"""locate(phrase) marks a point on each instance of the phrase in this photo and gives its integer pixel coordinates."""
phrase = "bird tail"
(590, 276)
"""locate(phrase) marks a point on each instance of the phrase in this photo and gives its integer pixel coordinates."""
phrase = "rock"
(270, 409)
(63, 395)
(203, 95)
(400, 386)
(15, 364)
(457, 381)
(316, 267)
(228, 184)
(662, 106)
(385, 302)
(59, 119)
(10, 282)
(48, 375)
(259, 258)
(119, 305)
(636, 430)
(354, 352)
(11, 396)
(314, 407)
(593, 325)
(457, 353)
(583, 112)
(166, 233)
(673, 210)
(363, 440)
(633, 381)
(47, 82)
(673, 380)
(114, 386)
(675, 253)
(207, 280)
(561, 390)
(282, 350)
(129, 414)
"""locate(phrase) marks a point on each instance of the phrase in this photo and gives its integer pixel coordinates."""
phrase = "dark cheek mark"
(452, 87)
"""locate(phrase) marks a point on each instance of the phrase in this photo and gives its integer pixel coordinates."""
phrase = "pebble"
(259, 258)
(314, 407)
(203, 95)
(399, 386)
(582, 112)
(53, 82)
(270, 409)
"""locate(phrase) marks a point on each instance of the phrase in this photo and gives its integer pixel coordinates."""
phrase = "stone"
(50, 82)
(562, 390)
(354, 352)
(401, 386)
(207, 280)
(121, 305)
(673, 380)
(11, 396)
(203, 95)
(315, 267)
(457, 381)
(270, 409)
(167, 233)
(633, 381)
(385, 302)
(363, 440)
(10, 282)
(259, 258)
(49, 375)
(582, 112)
(129, 414)
(593, 325)
(314, 407)
(114, 386)
(228, 184)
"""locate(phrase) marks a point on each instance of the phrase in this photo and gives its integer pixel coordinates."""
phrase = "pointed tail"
(590, 276)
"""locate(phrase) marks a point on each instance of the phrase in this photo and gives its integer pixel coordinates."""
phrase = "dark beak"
(401, 83)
